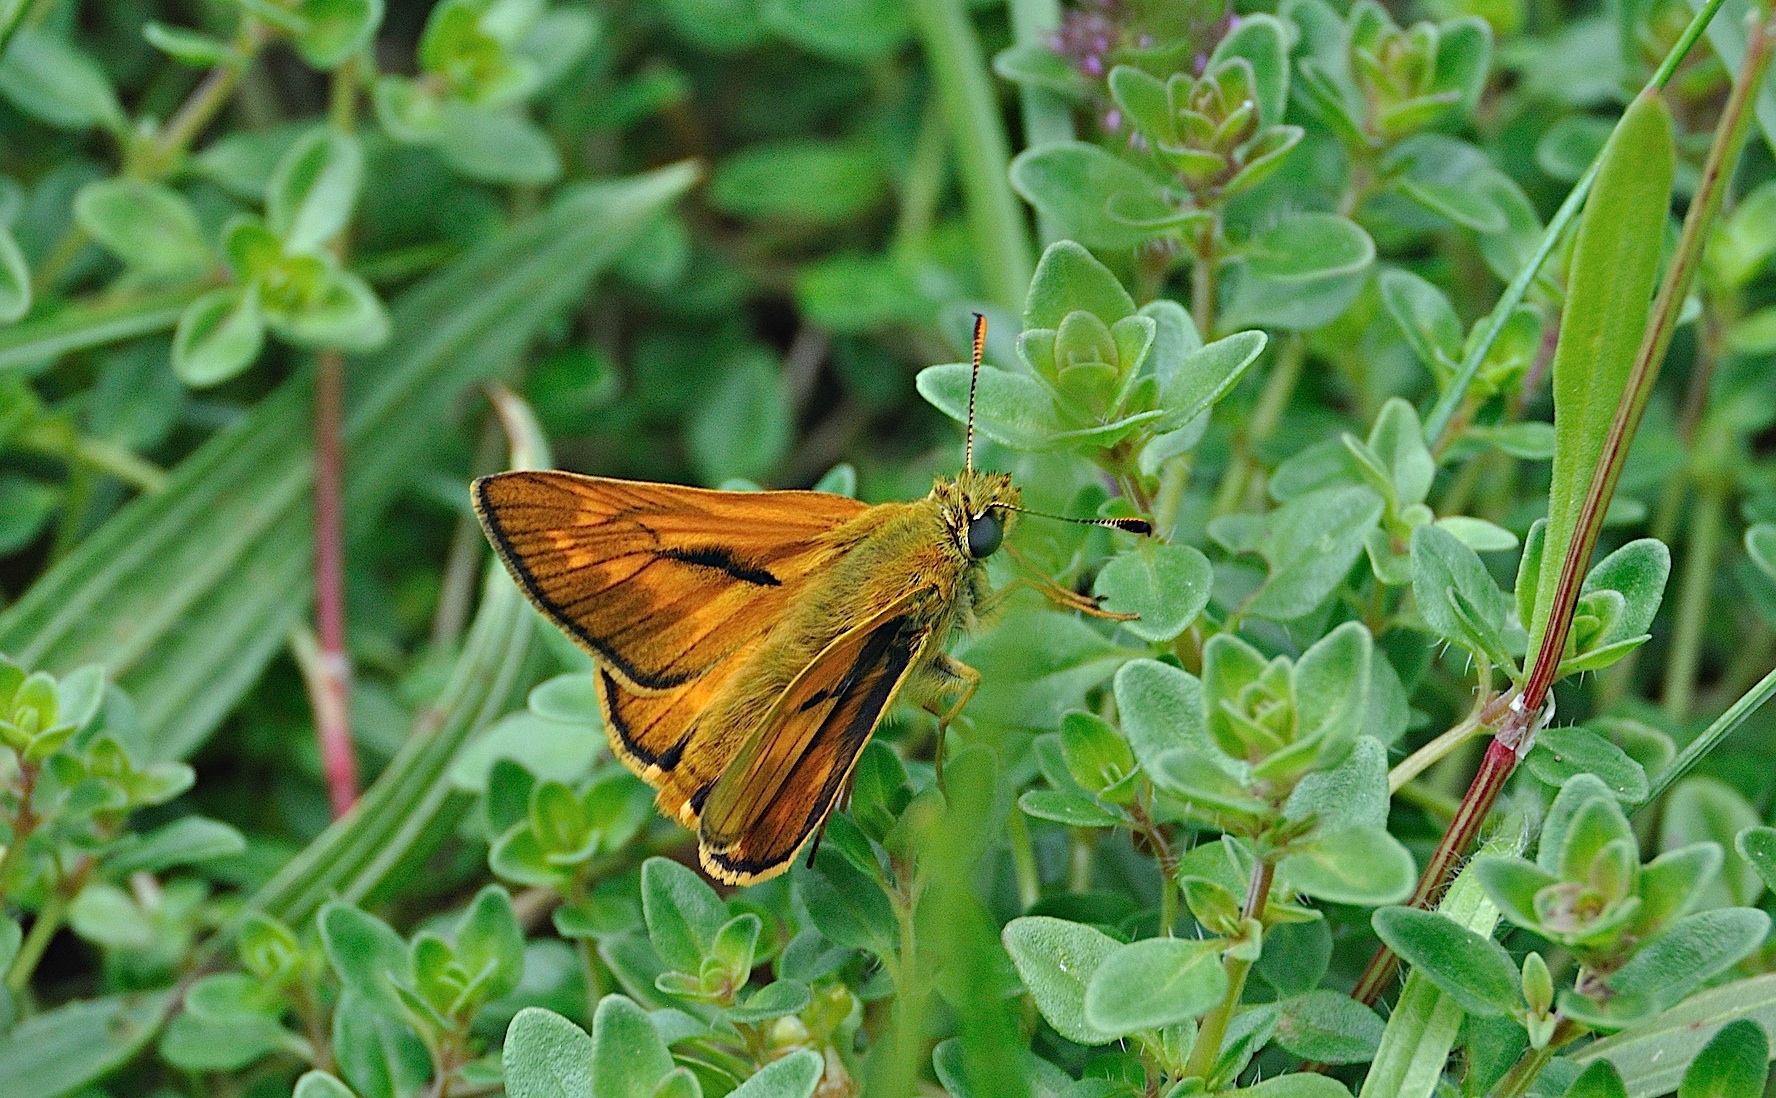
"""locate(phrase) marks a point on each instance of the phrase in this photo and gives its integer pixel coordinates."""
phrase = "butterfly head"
(977, 509)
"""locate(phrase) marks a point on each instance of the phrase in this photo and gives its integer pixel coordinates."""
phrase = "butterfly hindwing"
(659, 582)
(789, 776)
(650, 733)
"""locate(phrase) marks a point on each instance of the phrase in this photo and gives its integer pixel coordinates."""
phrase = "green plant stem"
(23, 824)
(1516, 1082)
(1711, 737)
(1047, 116)
(1213, 1031)
(43, 928)
(1202, 282)
(924, 186)
(1284, 376)
(1438, 420)
(1023, 861)
(59, 440)
(1483, 714)
(983, 156)
(1429, 801)
(1702, 553)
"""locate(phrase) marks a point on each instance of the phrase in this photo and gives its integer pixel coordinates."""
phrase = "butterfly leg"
(948, 671)
(1064, 597)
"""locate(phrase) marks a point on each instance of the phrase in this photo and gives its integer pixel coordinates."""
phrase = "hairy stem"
(1214, 1025)
(1495, 769)
(1285, 374)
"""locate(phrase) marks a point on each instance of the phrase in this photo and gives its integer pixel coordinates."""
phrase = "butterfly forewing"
(786, 780)
(659, 582)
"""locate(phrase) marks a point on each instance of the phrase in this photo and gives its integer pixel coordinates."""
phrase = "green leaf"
(1700, 809)
(1425, 318)
(379, 1055)
(334, 30)
(52, 81)
(1352, 865)
(793, 1076)
(151, 227)
(628, 1057)
(15, 281)
(847, 30)
(1579, 791)
(1203, 376)
(547, 1056)
(62, 1050)
(1166, 584)
(496, 146)
(1014, 410)
(490, 941)
(1600, 1080)
(1695, 948)
(1056, 960)
(1474, 971)
(1443, 175)
(811, 182)
(1292, 1086)
(312, 190)
(1069, 279)
(683, 913)
(185, 841)
(847, 907)
(318, 1084)
(1078, 185)
(219, 335)
(1614, 264)
(1310, 544)
(1300, 273)
(1263, 41)
(1329, 1027)
(742, 428)
(1456, 594)
(203, 579)
(107, 916)
(1352, 794)
(1152, 984)
(367, 955)
(1560, 753)
(1757, 845)
(1653, 1054)
(1424, 1023)
(774, 1000)
(1161, 708)
(1735, 1063)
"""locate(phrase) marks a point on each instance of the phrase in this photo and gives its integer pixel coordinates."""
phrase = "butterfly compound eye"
(985, 532)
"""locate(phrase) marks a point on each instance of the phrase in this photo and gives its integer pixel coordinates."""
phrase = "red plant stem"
(1521, 721)
(332, 693)
(1489, 782)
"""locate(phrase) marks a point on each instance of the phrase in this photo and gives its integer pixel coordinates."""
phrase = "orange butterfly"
(748, 643)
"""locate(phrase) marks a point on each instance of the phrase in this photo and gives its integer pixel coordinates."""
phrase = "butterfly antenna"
(980, 344)
(1127, 525)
